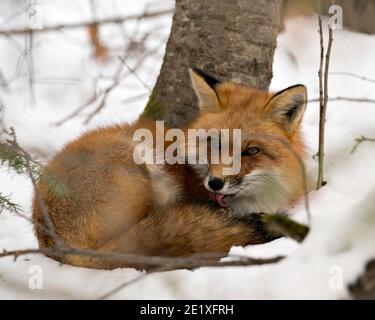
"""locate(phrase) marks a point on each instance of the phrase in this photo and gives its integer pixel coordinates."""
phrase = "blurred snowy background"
(47, 78)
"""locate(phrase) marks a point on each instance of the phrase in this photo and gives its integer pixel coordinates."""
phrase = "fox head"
(270, 177)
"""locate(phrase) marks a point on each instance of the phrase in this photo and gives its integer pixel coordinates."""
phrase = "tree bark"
(227, 39)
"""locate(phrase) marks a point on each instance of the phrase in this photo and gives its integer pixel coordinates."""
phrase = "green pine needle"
(16, 160)
(7, 204)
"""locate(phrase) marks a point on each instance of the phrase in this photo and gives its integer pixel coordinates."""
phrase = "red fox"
(270, 178)
(116, 205)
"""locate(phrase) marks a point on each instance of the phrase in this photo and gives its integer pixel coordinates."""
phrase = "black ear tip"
(304, 89)
(210, 80)
(299, 85)
(196, 69)
(302, 86)
(296, 86)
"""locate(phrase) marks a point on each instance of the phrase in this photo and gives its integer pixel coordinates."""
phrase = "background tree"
(228, 39)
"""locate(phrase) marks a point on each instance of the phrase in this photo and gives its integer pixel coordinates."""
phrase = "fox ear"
(288, 106)
(204, 88)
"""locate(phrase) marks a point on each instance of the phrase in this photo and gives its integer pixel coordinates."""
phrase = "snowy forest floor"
(64, 76)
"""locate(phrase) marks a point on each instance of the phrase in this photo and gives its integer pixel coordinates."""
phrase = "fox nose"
(215, 184)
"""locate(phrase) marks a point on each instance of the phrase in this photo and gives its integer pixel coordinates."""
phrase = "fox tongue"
(218, 198)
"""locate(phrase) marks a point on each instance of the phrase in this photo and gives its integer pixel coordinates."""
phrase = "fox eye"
(252, 151)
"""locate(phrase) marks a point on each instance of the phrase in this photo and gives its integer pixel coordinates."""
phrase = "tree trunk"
(228, 39)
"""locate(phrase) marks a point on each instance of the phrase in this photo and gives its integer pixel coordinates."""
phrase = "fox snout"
(216, 187)
(216, 184)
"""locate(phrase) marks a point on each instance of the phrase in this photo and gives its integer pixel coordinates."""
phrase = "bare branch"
(104, 94)
(140, 261)
(157, 264)
(134, 72)
(350, 99)
(242, 261)
(47, 219)
(29, 48)
(351, 74)
(125, 285)
(3, 129)
(100, 51)
(107, 91)
(84, 24)
(323, 96)
(321, 101)
(359, 141)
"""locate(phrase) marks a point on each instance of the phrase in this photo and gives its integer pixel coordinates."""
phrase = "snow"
(343, 212)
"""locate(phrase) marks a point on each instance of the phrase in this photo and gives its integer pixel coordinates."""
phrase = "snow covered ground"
(342, 233)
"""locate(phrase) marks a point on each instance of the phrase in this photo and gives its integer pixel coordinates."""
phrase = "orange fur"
(259, 116)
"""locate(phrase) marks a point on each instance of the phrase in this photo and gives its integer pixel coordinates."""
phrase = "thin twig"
(321, 100)
(123, 286)
(105, 93)
(29, 54)
(3, 129)
(42, 228)
(47, 219)
(323, 95)
(100, 50)
(84, 24)
(351, 74)
(359, 141)
(235, 263)
(350, 99)
(133, 71)
(3, 80)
